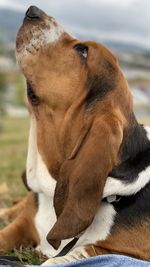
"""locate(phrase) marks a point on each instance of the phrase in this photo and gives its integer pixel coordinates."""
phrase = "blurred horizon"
(106, 20)
(119, 25)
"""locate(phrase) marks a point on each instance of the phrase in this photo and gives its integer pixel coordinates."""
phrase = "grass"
(26, 256)
(13, 150)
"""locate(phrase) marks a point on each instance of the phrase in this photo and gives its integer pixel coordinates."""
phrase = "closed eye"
(33, 98)
(82, 50)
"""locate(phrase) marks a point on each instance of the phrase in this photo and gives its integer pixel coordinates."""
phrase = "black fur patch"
(36, 197)
(24, 179)
(33, 98)
(133, 209)
(135, 155)
(99, 84)
(98, 87)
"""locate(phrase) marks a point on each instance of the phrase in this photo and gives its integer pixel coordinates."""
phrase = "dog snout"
(34, 13)
(37, 31)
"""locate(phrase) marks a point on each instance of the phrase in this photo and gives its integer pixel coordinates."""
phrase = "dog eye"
(82, 50)
(34, 99)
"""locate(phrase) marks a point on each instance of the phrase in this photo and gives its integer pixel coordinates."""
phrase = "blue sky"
(125, 20)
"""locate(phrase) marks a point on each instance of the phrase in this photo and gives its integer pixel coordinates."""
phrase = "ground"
(13, 150)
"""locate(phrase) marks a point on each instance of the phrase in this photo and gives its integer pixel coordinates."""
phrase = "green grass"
(25, 256)
(13, 150)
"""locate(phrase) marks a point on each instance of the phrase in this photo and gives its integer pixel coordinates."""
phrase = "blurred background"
(123, 26)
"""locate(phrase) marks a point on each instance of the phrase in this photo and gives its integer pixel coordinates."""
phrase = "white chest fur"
(38, 176)
(40, 181)
(44, 220)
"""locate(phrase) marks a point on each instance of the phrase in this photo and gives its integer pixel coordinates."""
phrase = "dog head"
(80, 103)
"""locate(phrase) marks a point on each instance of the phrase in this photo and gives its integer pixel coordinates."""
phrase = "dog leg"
(11, 213)
(21, 232)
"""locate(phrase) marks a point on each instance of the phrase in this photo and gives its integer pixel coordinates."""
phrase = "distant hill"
(120, 46)
(10, 21)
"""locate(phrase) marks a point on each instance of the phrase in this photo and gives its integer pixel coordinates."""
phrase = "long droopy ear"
(82, 178)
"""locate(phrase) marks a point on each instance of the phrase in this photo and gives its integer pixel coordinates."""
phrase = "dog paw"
(55, 261)
(60, 260)
(72, 256)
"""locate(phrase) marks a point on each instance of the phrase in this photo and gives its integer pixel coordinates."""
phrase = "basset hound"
(88, 162)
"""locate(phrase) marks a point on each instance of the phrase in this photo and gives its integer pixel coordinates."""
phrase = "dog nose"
(34, 12)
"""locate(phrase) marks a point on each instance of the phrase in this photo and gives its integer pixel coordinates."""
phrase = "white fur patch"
(53, 35)
(50, 34)
(117, 187)
(147, 129)
(38, 176)
(100, 227)
(44, 221)
(39, 38)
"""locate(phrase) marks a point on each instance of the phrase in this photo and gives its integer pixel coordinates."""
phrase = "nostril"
(34, 12)
(27, 12)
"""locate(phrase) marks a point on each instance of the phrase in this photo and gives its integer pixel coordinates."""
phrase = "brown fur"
(131, 241)
(62, 118)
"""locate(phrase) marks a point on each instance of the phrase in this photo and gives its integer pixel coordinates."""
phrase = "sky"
(118, 20)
